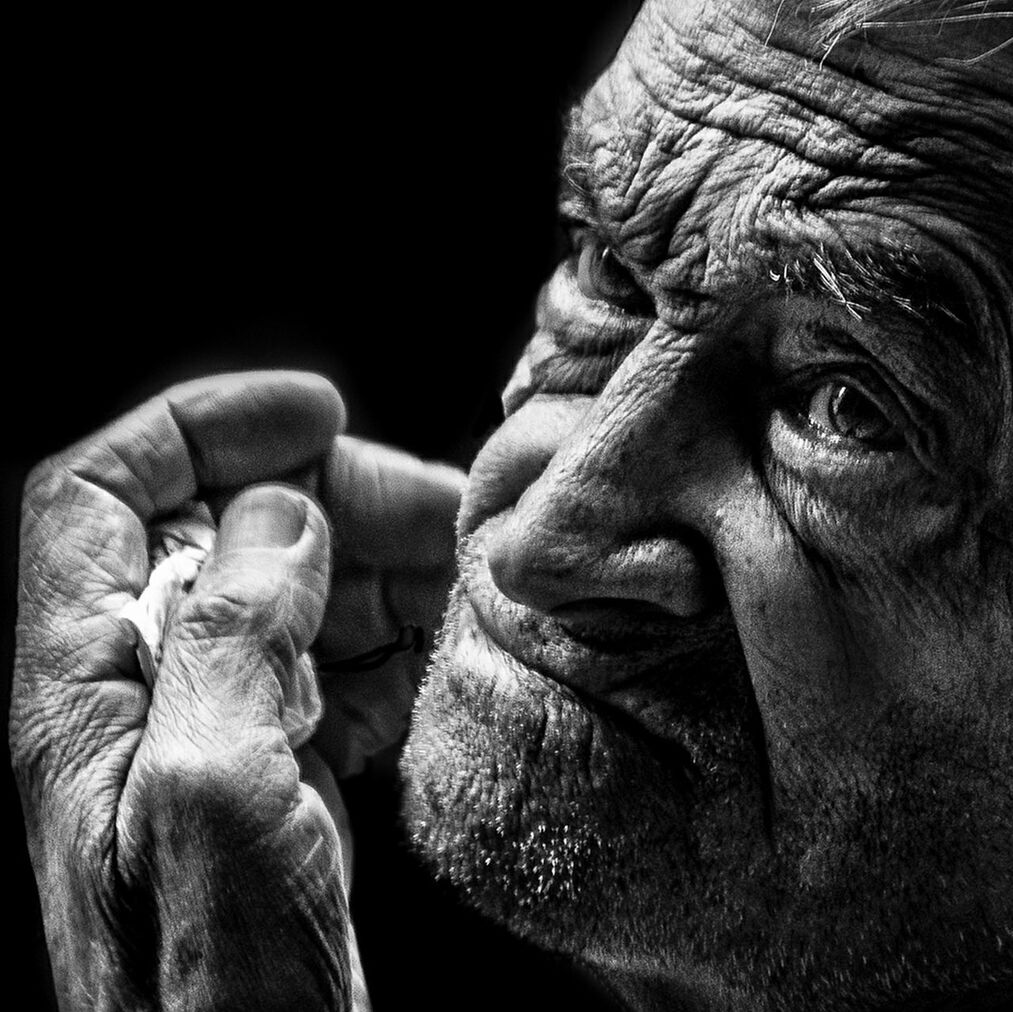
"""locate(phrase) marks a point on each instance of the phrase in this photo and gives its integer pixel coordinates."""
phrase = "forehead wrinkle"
(891, 277)
(651, 132)
(677, 95)
(663, 102)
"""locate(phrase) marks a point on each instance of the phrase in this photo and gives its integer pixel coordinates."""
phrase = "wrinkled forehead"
(961, 46)
(883, 116)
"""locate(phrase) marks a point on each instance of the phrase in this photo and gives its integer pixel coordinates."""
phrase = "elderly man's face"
(724, 702)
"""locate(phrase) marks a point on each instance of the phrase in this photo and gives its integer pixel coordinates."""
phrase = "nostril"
(623, 626)
(616, 623)
(594, 610)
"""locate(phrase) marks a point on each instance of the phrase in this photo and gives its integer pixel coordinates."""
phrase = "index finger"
(215, 432)
(388, 509)
(83, 532)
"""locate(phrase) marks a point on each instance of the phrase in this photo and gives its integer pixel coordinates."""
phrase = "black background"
(368, 194)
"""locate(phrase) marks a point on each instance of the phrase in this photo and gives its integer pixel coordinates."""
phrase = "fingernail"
(265, 516)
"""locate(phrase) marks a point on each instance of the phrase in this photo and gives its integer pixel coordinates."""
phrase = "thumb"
(230, 656)
(244, 860)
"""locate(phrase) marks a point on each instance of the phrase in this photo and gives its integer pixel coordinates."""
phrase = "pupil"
(856, 416)
(601, 276)
(607, 276)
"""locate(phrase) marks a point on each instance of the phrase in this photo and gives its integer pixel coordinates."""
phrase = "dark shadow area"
(367, 195)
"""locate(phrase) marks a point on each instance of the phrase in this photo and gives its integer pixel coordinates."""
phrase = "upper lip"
(651, 667)
(654, 670)
(598, 648)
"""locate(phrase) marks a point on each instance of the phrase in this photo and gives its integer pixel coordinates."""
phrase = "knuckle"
(214, 614)
(42, 485)
(232, 788)
(192, 776)
(251, 610)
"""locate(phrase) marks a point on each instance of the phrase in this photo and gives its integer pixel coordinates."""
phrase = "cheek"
(862, 523)
(818, 669)
(845, 684)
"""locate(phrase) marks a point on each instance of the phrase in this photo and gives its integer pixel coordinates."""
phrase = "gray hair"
(841, 19)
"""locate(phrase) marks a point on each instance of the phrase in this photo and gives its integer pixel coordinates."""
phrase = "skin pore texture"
(723, 706)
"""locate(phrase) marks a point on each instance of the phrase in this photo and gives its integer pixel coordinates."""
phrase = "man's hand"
(392, 519)
(183, 859)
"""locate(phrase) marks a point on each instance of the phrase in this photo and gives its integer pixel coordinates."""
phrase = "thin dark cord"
(411, 637)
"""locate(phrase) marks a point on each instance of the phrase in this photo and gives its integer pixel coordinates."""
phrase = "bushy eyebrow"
(576, 187)
(893, 276)
(839, 19)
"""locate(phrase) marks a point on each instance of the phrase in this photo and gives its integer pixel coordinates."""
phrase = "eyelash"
(595, 258)
(795, 399)
(798, 394)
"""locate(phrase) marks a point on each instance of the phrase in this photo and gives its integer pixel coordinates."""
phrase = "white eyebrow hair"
(575, 184)
(841, 19)
(893, 276)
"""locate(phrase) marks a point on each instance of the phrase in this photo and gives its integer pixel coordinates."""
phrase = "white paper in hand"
(177, 548)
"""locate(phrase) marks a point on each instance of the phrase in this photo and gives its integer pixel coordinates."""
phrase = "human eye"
(845, 438)
(842, 409)
(590, 314)
(601, 275)
(827, 421)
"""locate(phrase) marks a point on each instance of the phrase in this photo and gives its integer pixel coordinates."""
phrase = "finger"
(214, 432)
(215, 784)
(365, 712)
(77, 721)
(231, 650)
(83, 532)
(315, 772)
(389, 509)
(367, 609)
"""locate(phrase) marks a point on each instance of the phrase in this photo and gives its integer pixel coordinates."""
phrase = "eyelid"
(579, 233)
(822, 398)
(805, 382)
(575, 230)
(578, 220)
(918, 429)
(854, 349)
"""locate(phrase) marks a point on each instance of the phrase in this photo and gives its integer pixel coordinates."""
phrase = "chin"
(555, 818)
(548, 815)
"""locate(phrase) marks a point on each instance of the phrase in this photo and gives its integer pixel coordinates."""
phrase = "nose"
(614, 496)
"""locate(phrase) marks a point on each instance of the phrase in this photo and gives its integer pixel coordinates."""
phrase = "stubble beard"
(548, 816)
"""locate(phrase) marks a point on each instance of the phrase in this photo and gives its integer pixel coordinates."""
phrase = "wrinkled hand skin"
(186, 859)
(723, 707)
